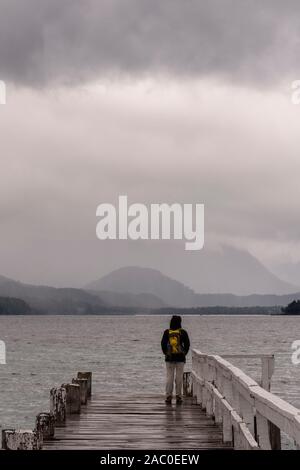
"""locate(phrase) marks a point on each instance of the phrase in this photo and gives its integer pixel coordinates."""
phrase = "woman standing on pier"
(175, 345)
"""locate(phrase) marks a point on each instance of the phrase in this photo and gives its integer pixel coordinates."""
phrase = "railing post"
(204, 372)
(262, 432)
(196, 386)
(227, 423)
(267, 365)
(227, 389)
(209, 391)
(236, 398)
(275, 436)
(217, 411)
(197, 390)
(209, 402)
(247, 414)
(187, 384)
(204, 398)
(297, 437)
(201, 388)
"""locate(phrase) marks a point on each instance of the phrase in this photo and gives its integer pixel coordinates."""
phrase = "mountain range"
(45, 300)
(133, 279)
(227, 278)
(127, 290)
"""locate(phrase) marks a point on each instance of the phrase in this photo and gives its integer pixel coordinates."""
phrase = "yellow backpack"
(174, 345)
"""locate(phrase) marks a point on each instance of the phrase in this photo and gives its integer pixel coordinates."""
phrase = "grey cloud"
(78, 151)
(45, 42)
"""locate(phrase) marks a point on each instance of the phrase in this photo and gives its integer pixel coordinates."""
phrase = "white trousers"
(172, 369)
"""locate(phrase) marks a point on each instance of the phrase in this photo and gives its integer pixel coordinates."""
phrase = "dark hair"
(175, 322)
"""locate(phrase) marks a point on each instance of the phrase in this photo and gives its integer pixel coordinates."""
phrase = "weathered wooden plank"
(135, 422)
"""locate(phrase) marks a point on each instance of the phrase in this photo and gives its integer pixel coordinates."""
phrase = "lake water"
(123, 352)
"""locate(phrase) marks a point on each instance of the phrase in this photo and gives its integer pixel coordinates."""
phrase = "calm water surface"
(124, 354)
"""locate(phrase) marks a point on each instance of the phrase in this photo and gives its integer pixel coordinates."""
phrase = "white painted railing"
(251, 416)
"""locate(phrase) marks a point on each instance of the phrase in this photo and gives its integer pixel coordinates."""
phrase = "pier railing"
(251, 416)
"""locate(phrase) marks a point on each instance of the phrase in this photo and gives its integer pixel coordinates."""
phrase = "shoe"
(168, 400)
(178, 400)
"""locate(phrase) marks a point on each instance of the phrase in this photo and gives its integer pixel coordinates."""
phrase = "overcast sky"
(165, 101)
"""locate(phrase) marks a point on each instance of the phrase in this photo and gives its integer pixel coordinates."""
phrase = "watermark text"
(162, 221)
(296, 354)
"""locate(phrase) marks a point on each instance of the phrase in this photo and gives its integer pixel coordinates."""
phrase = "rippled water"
(124, 354)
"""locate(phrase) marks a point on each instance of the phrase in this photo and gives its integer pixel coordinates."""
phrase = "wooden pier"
(223, 408)
(138, 422)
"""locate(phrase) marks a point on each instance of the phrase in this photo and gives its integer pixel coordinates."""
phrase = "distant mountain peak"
(140, 280)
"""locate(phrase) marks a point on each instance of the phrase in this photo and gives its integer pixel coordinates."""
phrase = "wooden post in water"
(58, 404)
(65, 399)
(73, 398)
(45, 425)
(18, 439)
(83, 384)
(88, 376)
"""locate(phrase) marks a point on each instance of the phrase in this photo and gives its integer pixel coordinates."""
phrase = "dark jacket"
(185, 344)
